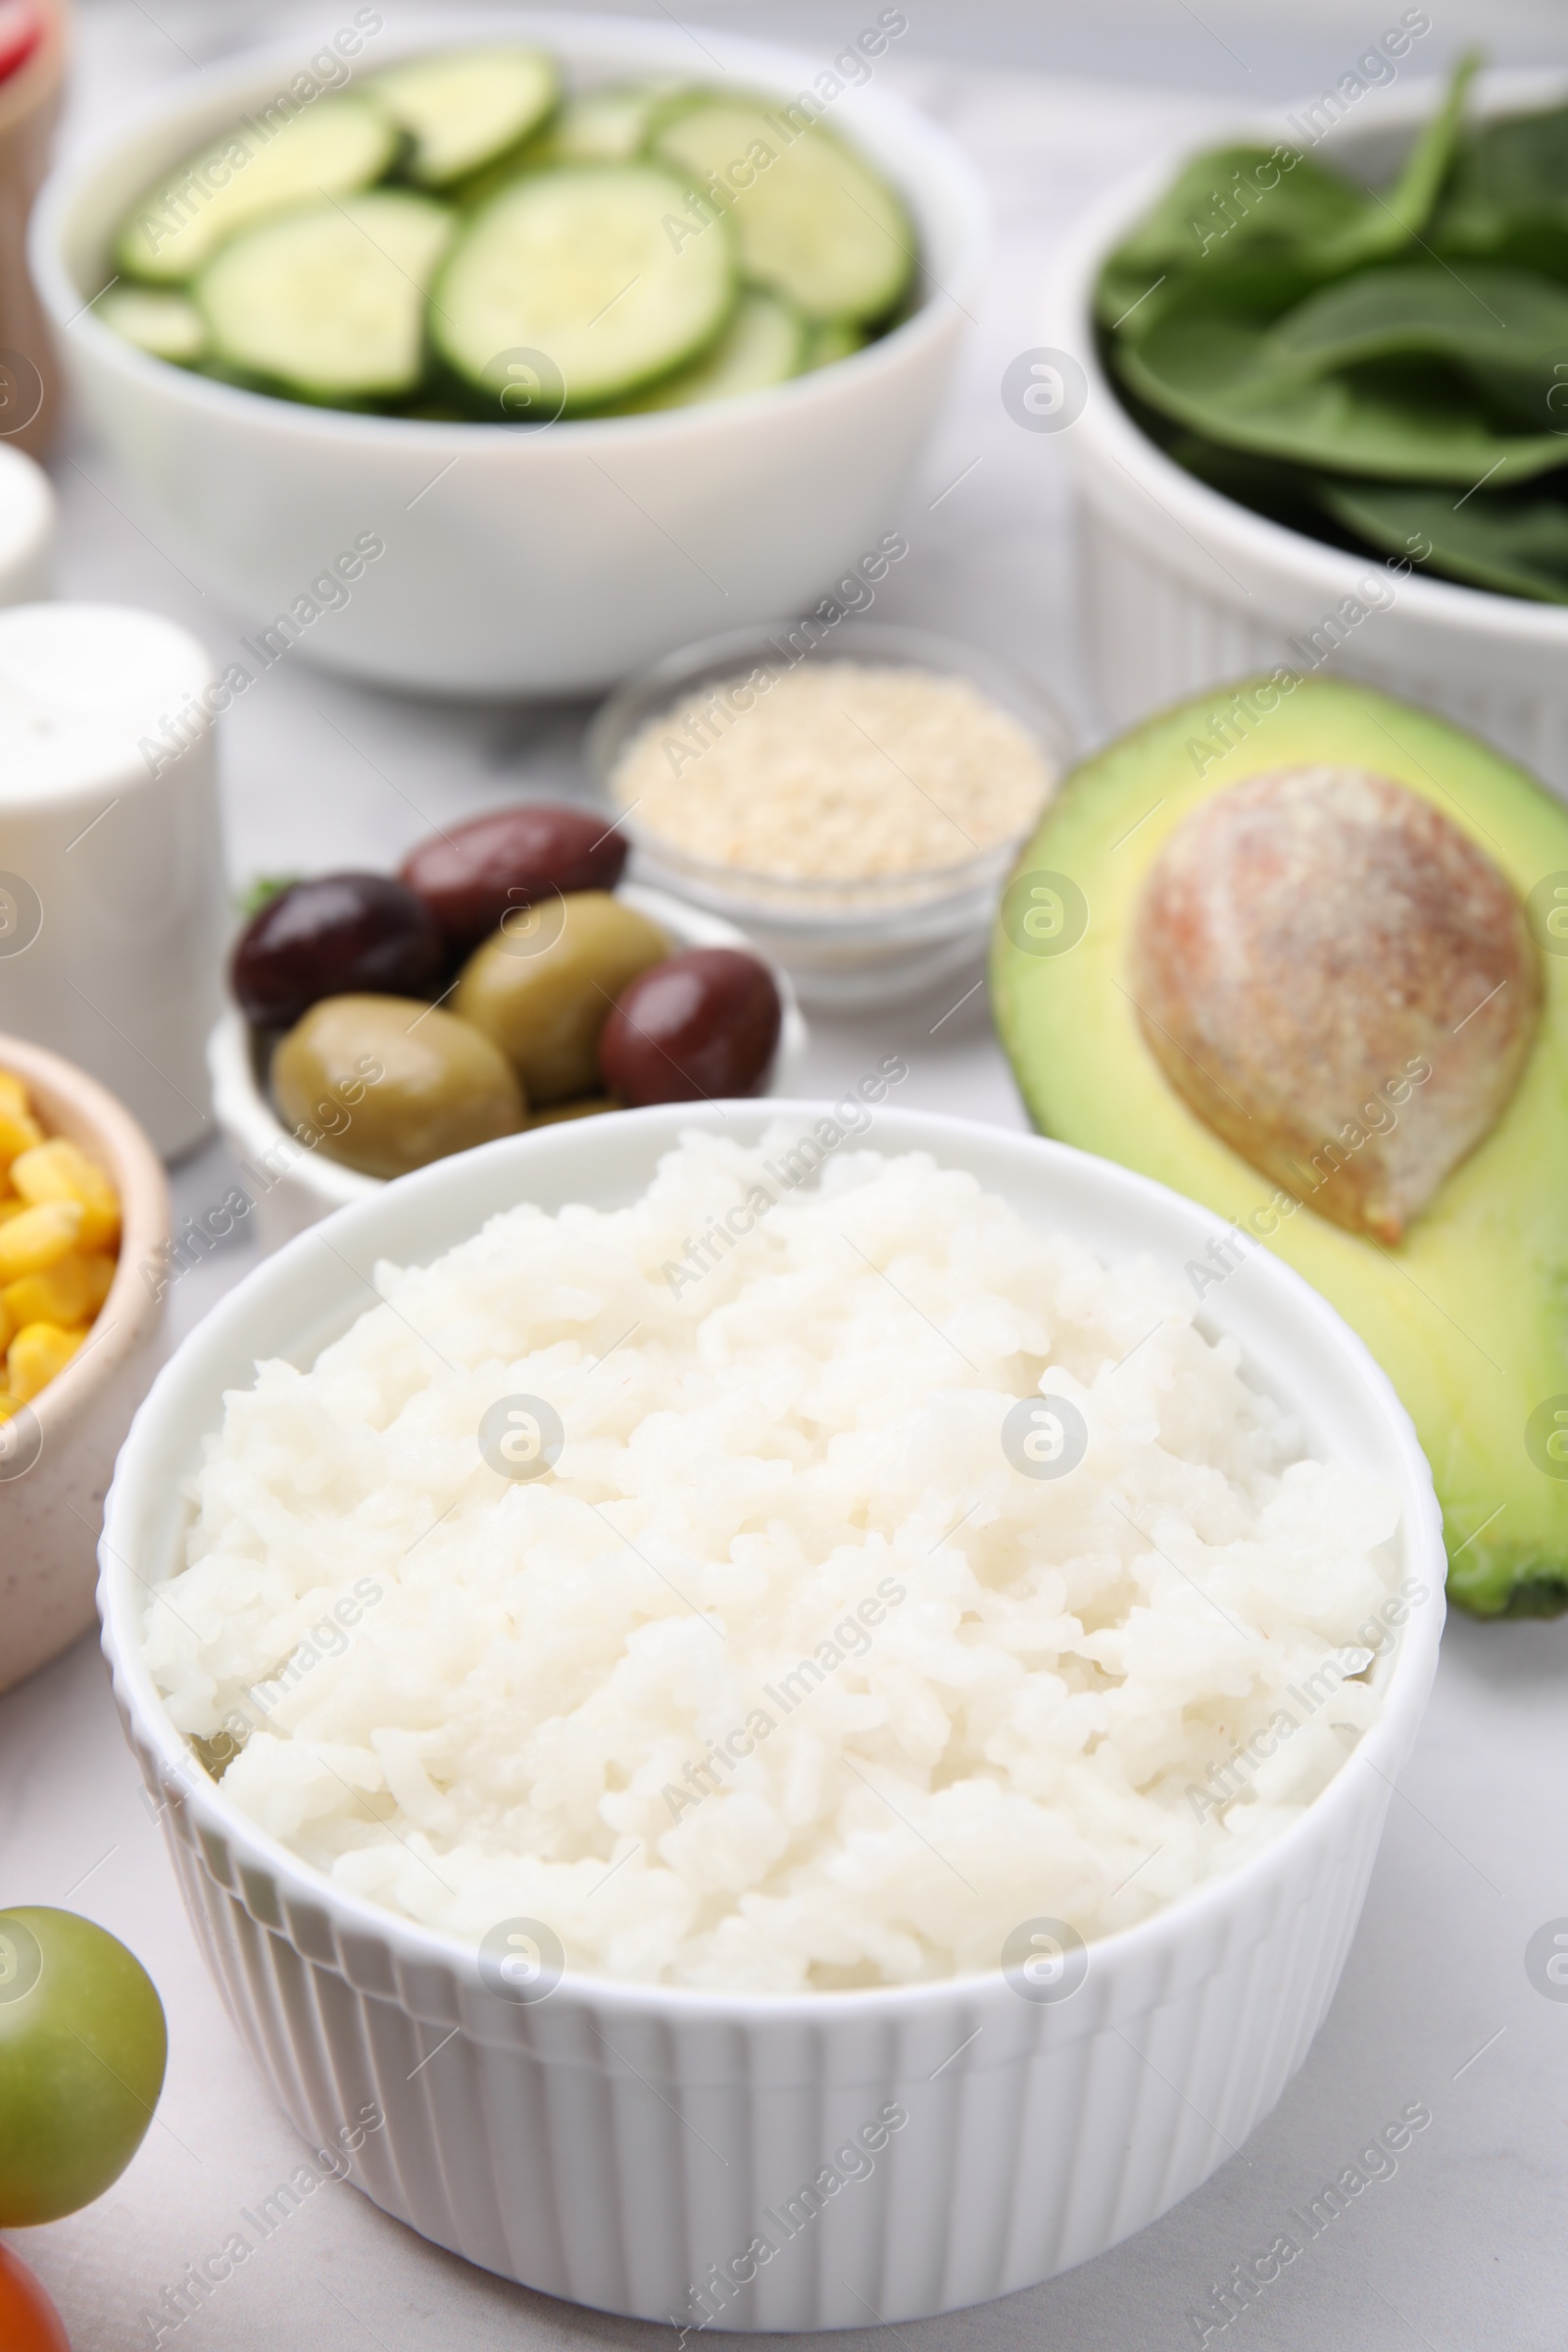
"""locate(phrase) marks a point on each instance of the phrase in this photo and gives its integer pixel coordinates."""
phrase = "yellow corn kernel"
(38, 1239)
(101, 1272)
(37, 1352)
(8, 1329)
(60, 1170)
(18, 1134)
(63, 1294)
(14, 1095)
(11, 1208)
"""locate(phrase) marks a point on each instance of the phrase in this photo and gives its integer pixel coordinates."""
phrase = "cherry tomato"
(82, 2046)
(21, 31)
(28, 2320)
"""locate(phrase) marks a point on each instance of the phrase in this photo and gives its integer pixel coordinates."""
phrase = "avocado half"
(1468, 1314)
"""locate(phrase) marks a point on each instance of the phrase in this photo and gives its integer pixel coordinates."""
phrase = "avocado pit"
(1340, 984)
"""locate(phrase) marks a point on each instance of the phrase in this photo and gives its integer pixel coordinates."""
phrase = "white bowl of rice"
(764, 1685)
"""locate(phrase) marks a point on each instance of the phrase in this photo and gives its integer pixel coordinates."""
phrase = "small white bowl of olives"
(504, 978)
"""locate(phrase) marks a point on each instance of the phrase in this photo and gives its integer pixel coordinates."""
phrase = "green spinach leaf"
(1218, 374)
(1260, 226)
(1389, 222)
(1504, 330)
(1517, 546)
(1508, 197)
(1258, 211)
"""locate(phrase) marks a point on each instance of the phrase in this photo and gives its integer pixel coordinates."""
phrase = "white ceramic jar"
(1182, 588)
(113, 902)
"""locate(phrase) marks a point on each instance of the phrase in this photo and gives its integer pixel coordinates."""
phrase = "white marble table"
(1466, 2244)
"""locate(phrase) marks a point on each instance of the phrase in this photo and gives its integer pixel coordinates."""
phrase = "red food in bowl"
(695, 1028)
(21, 31)
(473, 875)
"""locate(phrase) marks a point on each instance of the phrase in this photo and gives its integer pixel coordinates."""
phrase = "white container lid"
(82, 688)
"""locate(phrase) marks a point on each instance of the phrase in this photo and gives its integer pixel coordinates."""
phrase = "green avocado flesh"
(1468, 1314)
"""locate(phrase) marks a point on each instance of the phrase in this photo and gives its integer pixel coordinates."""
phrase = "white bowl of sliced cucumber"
(509, 355)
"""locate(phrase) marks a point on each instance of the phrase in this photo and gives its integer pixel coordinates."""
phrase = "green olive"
(543, 986)
(582, 1107)
(377, 1084)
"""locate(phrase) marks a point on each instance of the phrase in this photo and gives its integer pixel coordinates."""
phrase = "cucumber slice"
(764, 343)
(608, 125)
(166, 325)
(327, 304)
(465, 109)
(333, 148)
(815, 224)
(578, 266)
(834, 340)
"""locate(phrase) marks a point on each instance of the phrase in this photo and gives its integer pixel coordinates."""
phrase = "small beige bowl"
(57, 1456)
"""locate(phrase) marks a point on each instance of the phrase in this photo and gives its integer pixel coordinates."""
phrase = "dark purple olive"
(469, 877)
(693, 1029)
(340, 935)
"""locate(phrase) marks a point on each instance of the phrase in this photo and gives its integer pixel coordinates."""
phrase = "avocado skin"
(1469, 1315)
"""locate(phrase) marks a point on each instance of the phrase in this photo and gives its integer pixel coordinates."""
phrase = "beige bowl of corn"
(84, 1224)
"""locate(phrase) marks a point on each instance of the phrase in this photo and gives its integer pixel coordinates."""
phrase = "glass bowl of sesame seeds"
(853, 797)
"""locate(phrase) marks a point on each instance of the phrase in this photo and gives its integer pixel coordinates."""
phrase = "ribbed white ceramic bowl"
(1182, 588)
(612, 2142)
(519, 561)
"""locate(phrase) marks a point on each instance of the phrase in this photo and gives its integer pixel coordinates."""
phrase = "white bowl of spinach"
(1327, 408)
(1385, 361)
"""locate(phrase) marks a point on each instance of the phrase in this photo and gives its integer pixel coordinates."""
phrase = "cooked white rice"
(510, 1719)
